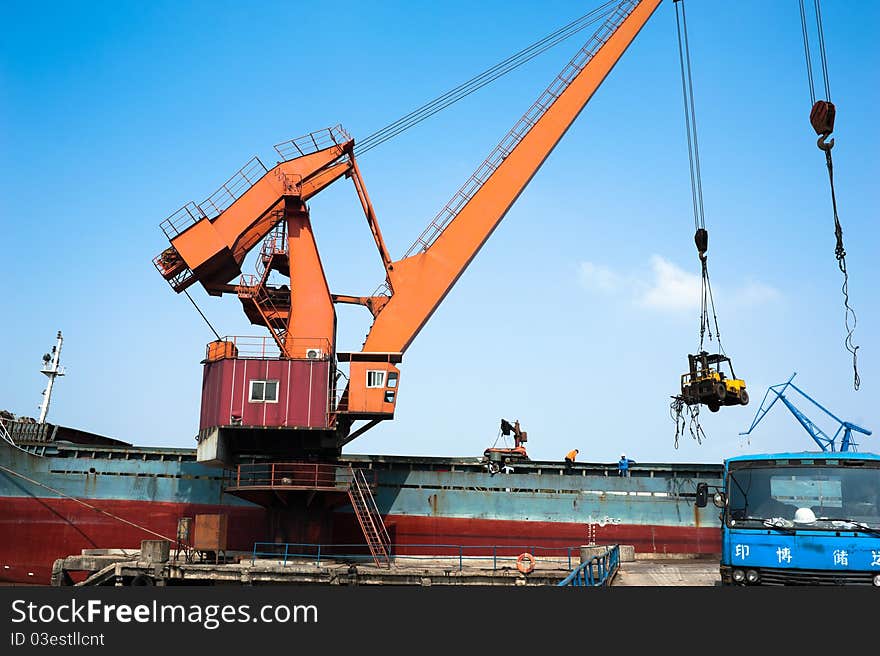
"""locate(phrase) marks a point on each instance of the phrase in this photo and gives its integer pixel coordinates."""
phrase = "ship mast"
(52, 370)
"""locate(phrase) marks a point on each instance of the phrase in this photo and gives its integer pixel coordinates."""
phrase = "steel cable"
(479, 81)
(839, 251)
(707, 299)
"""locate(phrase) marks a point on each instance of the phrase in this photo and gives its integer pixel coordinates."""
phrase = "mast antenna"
(52, 368)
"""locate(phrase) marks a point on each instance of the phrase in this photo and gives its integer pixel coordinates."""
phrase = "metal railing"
(186, 216)
(230, 191)
(291, 476)
(364, 504)
(263, 297)
(312, 142)
(28, 432)
(598, 571)
(337, 400)
(234, 188)
(501, 556)
(521, 128)
(274, 243)
(4, 434)
(265, 348)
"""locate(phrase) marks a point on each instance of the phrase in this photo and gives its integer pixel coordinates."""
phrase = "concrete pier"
(153, 565)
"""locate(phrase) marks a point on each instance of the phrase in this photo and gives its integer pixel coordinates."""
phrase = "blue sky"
(577, 315)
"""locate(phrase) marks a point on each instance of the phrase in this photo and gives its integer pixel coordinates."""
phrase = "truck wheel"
(721, 391)
(744, 397)
(713, 407)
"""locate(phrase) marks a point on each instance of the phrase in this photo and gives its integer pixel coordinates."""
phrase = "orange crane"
(290, 381)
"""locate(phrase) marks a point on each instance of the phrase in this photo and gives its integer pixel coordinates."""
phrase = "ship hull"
(72, 497)
(41, 530)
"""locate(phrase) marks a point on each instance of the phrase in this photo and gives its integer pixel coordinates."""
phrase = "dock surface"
(130, 569)
(677, 573)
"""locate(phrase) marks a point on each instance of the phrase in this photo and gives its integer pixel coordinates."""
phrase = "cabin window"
(375, 379)
(264, 391)
(392, 379)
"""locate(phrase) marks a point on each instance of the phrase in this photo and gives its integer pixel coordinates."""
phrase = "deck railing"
(598, 571)
(501, 556)
(293, 476)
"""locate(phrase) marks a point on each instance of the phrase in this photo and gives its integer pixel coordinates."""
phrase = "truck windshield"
(837, 492)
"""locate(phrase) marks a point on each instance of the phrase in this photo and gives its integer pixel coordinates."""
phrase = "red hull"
(36, 532)
(412, 530)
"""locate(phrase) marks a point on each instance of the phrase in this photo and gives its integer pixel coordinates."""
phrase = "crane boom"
(420, 281)
(820, 437)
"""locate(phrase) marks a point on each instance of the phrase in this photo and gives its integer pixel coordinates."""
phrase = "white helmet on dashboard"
(804, 516)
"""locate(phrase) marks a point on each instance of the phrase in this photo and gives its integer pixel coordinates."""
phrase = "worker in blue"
(623, 465)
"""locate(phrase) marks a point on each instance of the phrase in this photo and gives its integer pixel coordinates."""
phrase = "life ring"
(525, 563)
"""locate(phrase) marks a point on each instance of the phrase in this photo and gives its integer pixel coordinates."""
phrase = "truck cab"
(799, 519)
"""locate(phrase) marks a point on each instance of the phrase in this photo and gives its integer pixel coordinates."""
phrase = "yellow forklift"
(711, 381)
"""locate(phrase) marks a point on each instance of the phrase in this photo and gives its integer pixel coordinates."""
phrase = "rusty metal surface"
(210, 532)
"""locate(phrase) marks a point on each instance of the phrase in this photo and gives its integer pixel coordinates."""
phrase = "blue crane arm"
(819, 436)
(762, 409)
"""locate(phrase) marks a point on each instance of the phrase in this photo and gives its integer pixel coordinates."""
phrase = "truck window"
(807, 491)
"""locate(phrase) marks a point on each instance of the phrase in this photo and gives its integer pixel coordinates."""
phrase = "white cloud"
(600, 278)
(667, 286)
(671, 288)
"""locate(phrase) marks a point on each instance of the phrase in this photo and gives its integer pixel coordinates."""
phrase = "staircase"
(267, 306)
(264, 304)
(369, 518)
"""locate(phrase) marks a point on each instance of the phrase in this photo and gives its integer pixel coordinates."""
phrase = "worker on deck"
(623, 465)
(569, 459)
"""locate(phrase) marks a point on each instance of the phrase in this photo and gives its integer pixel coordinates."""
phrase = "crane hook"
(823, 145)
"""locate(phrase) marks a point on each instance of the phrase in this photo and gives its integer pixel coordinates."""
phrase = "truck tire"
(721, 391)
(743, 397)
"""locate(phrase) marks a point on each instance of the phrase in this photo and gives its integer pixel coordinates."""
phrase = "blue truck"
(806, 518)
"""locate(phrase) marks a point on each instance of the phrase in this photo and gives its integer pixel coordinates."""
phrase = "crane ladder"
(369, 518)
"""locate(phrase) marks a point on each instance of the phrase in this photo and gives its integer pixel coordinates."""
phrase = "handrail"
(179, 221)
(214, 205)
(312, 143)
(266, 348)
(516, 134)
(287, 551)
(363, 487)
(369, 517)
(598, 571)
(289, 475)
(231, 190)
(7, 437)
